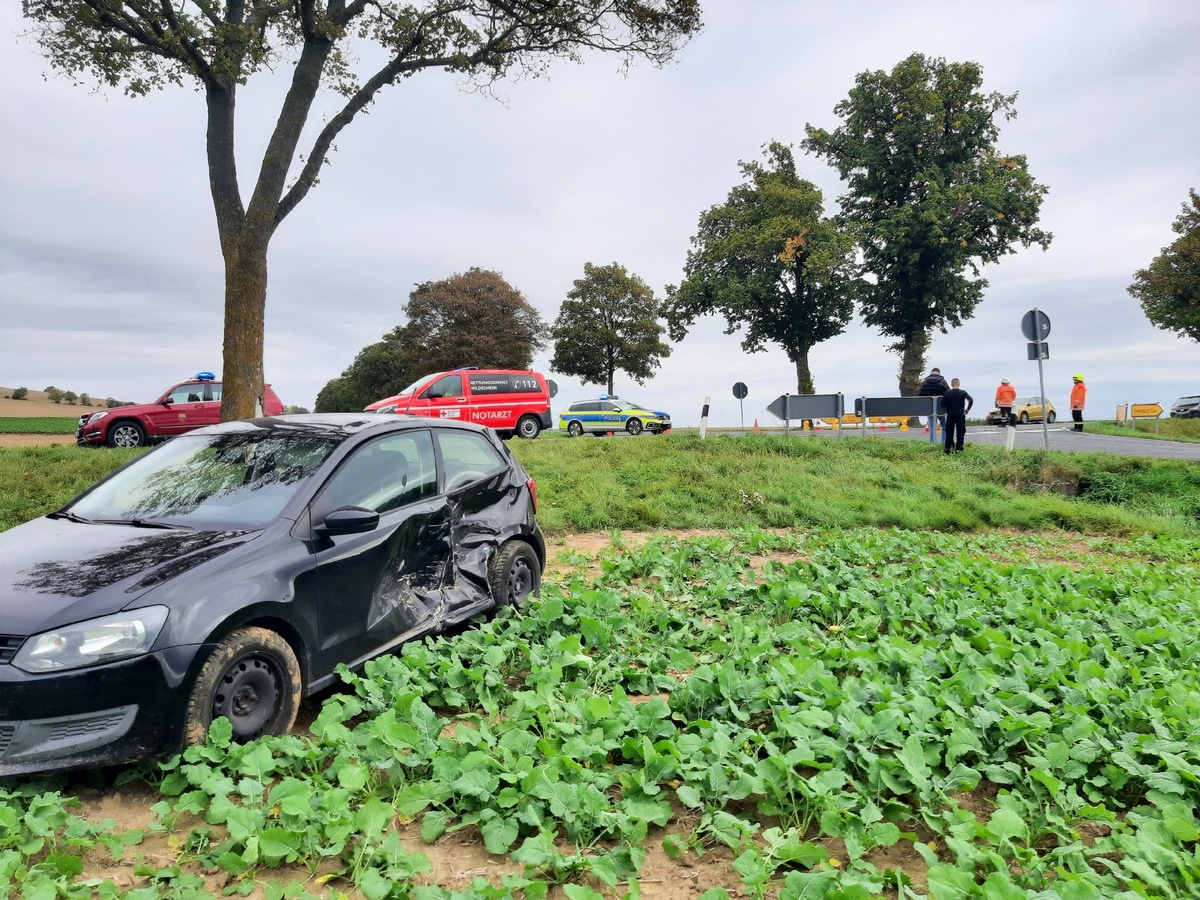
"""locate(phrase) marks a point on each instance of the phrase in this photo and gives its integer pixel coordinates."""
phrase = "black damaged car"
(231, 570)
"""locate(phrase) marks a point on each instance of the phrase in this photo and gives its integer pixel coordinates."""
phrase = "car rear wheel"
(514, 574)
(126, 434)
(574, 428)
(634, 426)
(529, 427)
(1024, 418)
(1050, 417)
(252, 679)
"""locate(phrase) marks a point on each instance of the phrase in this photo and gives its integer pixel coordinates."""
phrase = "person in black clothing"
(934, 385)
(956, 403)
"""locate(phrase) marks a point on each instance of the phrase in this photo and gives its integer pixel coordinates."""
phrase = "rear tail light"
(532, 485)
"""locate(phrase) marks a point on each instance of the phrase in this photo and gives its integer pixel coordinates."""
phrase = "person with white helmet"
(1006, 395)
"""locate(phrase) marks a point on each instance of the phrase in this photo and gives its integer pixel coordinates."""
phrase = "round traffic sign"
(1035, 325)
(740, 390)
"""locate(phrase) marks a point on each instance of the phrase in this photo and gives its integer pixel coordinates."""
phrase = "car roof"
(341, 425)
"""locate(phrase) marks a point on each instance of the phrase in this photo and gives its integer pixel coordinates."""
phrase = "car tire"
(126, 433)
(1024, 418)
(528, 427)
(514, 574)
(251, 678)
(574, 428)
(1050, 417)
(634, 426)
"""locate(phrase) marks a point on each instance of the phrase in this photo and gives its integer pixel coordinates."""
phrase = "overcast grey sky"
(111, 279)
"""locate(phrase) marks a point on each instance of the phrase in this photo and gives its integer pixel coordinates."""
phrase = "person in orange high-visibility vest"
(1078, 399)
(1006, 395)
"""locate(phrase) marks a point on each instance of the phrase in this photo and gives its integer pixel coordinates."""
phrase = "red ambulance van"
(506, 400)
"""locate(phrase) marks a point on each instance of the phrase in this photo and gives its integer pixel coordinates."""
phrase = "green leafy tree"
(217, 47)
(768, 260)
(20, 393)
(54, 395)
(930, 197)
(69, 397)
(1169, 289)
(85, 400)
(608, 323)
(474, 318)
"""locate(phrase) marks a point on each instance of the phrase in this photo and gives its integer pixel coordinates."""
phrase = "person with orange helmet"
(1078, 399)
(1006, 396)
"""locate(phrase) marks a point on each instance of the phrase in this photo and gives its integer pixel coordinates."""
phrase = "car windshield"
(1187, 400)
(416, 384)
(229, 481)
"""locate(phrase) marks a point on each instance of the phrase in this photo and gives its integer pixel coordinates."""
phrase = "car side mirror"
(431, 394)
(349, 520)
(167, 401)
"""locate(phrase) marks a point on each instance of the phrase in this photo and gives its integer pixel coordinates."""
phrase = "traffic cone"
(925, 430)
(756, 428)
(883, 424)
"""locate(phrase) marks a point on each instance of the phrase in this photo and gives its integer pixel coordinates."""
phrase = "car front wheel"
(1050, 418)
(126, 434)
(574, 428)
(634, 426)
(1024, 418)
(253, 680)
(529, 427)
(514, 574)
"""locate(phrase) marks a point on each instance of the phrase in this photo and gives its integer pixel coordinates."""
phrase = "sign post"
(1146, 411)
(1035, 325)
(740, 391)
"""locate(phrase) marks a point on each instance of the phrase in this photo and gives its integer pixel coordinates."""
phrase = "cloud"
(111, 278)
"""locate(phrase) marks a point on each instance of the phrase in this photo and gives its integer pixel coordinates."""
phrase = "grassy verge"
(37, 425)
(1168, 429)
(769, 481)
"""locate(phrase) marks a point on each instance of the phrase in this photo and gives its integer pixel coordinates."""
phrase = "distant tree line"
(70, 398)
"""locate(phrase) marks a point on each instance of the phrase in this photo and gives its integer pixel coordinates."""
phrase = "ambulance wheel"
(529, 427)
(634, 427)
(574, 428)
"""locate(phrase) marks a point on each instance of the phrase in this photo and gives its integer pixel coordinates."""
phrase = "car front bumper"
(92, 717)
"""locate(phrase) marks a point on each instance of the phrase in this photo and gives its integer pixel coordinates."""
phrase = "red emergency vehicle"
(507, 400)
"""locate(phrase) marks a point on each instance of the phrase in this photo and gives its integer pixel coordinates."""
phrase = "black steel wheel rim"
(248, 695)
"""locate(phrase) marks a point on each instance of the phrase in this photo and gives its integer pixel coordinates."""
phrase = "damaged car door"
(379, 583)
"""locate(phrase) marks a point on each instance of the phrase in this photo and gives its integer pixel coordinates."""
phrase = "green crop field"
(842, 688)
(38, 425)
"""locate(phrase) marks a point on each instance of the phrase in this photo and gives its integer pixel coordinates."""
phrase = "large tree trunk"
(912, 362)
(245, 310)
(804, 380)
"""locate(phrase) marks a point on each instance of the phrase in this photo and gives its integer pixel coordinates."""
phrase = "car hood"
(55, 571)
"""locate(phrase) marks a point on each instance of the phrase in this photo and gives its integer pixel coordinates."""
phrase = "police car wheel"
(575, 428)
(529, 427)
(634, 426)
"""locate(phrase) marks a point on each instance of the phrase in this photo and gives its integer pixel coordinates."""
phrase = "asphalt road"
(1062, 437)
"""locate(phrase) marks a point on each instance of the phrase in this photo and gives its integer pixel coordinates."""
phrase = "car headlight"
(108, 638)
(96, 417)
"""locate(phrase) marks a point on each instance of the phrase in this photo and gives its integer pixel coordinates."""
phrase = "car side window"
(446, 386)
(384, 475)
(467, 456)
(186, 393)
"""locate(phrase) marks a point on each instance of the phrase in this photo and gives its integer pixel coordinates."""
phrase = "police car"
(609, 414)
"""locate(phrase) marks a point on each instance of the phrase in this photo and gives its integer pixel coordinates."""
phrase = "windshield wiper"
(70, 517)
(144, 523)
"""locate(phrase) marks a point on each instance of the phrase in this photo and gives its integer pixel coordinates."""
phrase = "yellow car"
(609, 414)
(1029, 409)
